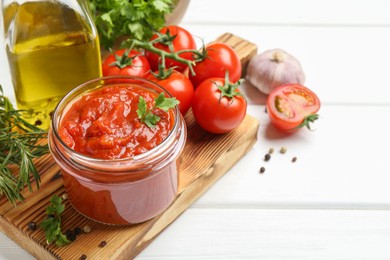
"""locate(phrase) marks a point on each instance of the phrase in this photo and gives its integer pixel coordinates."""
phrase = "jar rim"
(73, 95)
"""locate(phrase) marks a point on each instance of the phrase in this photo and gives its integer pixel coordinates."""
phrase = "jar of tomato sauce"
(116, 169)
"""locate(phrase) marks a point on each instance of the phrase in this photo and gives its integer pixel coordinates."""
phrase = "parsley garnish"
(52, 225)
(137, 19)
(146, 115)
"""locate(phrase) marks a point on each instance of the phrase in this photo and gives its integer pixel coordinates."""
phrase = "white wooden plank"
(274, 234)
(9, 250)
(286, 12)
(344, 163)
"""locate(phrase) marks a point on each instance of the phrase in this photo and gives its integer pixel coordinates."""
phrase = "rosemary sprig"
(19, 145)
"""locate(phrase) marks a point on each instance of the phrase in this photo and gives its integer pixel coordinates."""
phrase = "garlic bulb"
(273, 68)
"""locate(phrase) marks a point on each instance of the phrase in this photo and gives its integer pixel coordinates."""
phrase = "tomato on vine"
(292, 106)
(218, 105)
(171, 39)
(126, 62)
(217, 58)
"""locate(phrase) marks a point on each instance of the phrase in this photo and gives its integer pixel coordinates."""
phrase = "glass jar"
(52, 47)
(119, 191)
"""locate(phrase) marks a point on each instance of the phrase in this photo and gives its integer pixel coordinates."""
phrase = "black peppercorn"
(262, 170)
(70, 235)
(83, 257)
(267, 157)
(102, 244)
(77, 231)
(32, 225)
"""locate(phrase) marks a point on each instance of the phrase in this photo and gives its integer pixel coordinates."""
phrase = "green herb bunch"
(138, 19)
(19, 145)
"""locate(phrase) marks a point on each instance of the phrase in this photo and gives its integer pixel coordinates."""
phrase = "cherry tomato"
(126, 63)
(292, 106)
(179, 86)
(218, 106)
(182, 40)
(219, 58)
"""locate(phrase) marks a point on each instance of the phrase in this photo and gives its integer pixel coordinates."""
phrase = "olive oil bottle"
(52, 47)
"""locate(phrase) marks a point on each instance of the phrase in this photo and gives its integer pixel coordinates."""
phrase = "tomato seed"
(283, 150)
(271, 150)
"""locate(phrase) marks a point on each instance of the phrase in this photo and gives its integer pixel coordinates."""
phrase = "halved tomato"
(292, 106)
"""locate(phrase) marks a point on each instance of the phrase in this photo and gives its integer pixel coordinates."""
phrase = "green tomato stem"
(174, 55)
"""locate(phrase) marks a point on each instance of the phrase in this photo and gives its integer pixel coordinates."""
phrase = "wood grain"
(205, 158)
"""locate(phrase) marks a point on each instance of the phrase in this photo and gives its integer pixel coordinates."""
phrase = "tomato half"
(215, 111)
(126, 63)
(179, 86)
(182, 40)
(292, 106)
(218, 59)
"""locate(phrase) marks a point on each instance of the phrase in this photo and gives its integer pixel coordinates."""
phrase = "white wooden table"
(334, 202)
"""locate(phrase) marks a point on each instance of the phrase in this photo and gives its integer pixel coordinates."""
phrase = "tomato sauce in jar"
(104, 124)
(116, 169)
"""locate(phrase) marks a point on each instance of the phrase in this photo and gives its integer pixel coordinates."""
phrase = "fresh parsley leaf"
(141, 111)
(52, 225)
(137, 19)
(146, 115)
(165, 103)
(151, 120)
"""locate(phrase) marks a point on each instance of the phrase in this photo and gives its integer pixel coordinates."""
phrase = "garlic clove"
(273, 68)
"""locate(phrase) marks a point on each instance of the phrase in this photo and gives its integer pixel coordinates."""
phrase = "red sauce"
(104, 123)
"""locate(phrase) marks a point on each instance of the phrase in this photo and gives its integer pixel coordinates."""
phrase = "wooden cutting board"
(205, 158)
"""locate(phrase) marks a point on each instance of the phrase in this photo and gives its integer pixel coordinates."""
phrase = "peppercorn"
(294, 159)
(77, 231)
(83, 257)
(102, 244)
(267, 157)
(64, 196)
(87, 229)
(70, 235)
(262, 170)
(32, 226)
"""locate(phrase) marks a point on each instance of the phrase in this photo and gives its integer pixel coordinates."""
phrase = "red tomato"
(179, 86)
(119, 64)
(214, 110)
(219, 58)
(292, 106)
(183, 40)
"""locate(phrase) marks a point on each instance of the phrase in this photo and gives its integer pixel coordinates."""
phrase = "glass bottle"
(52, 47)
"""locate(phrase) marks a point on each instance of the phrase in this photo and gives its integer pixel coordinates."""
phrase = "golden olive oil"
(52, 48)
